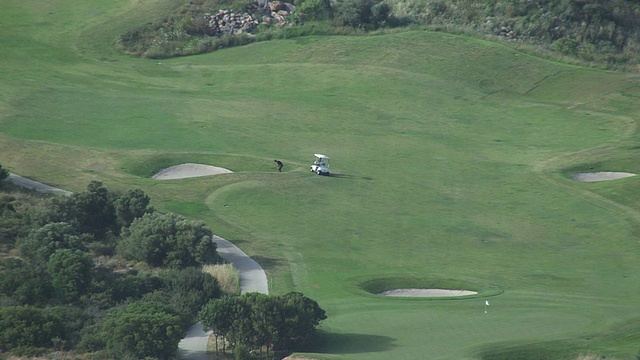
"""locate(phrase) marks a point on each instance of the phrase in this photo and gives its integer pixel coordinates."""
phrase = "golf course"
(452, 167)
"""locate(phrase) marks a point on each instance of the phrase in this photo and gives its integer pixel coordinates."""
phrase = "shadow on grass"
(332, 343)
(347, 176)
(267, 262)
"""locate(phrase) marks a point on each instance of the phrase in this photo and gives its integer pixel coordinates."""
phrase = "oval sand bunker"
(427, 292)
(601, 176)
(189, 170)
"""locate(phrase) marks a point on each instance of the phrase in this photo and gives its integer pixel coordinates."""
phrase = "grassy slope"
(452, 156)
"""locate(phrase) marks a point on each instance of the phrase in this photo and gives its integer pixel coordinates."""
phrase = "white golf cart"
(320, 165)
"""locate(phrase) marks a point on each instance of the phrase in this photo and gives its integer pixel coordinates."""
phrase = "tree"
(134, 286)
(14, 220)
(94, 211)
(43, 242)
(28, 326)
(299, 318)
(71, 272)
(142, 329)
(23, 283)
(168, 240)
(368, 14)
(89, 212)
(130, 206)
(4, 173)
(190, 289)
(256, 320)
(314, 10)
(218, 316)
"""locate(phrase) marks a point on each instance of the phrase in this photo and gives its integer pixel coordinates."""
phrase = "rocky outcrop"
(228, 22)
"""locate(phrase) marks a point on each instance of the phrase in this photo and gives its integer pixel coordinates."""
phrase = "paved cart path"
(252, 279)
(34, 185)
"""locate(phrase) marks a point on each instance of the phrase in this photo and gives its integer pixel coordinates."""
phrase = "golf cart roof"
(320, 156)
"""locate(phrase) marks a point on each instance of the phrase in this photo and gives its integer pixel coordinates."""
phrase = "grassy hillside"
(452, 159)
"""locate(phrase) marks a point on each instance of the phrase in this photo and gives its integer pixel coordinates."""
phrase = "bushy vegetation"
(592, 30)
(604, 32)
(4, 174)
(58, 293)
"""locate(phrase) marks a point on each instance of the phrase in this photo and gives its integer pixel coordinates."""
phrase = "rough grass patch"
(228, 277)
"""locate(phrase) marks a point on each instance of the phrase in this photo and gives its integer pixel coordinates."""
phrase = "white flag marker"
(486, 302)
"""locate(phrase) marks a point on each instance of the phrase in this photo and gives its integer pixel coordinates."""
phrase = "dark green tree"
(256, 320)
(71, 272)
(94, 211)
(14, 220)
(131, 205)
(4, 173)
(142, 329)
(299, 318)
(168, 240)
(190, 289)
(43, 242)
(89, 212)
(218, 316)
(314, 10)
(23, 283)
(367, 14)
(28, 326)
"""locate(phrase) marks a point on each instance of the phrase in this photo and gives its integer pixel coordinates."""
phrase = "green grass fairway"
(451, 158)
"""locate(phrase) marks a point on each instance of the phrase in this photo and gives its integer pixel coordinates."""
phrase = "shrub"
(142, 329)
(168, 240)
(4, 173)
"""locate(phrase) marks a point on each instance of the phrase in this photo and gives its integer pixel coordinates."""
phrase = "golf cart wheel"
(318, 172)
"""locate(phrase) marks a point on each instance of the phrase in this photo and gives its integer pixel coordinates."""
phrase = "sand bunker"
(601, 176)
(189, 170)
(427, 292)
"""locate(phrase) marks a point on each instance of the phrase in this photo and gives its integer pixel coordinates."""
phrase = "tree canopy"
(256, 321)
(168, 240)
(61, 288)
(143, 329)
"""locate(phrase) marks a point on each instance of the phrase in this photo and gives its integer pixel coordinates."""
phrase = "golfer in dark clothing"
(279, 165)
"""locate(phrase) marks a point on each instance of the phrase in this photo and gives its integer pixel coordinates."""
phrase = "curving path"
(252, 277)
(34, 185)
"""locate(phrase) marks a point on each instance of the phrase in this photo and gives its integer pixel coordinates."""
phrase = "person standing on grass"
(279, 165)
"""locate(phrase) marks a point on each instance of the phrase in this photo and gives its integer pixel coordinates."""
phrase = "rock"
(275, 6)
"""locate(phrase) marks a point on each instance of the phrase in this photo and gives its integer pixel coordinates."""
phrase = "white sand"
(601, 176)
(189, 170)
(426, 292)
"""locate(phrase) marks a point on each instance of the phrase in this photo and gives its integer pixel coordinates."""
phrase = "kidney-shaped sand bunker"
(427, 287)
(189, 170)
(601, 176)
(427, 292)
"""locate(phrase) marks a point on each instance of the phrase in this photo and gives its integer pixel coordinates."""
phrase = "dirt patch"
(426, 292)
(601, 176)
(189, 170)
